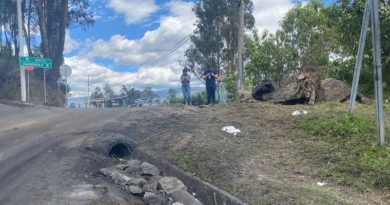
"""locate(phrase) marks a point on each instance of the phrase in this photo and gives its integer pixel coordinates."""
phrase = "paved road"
(43, 160)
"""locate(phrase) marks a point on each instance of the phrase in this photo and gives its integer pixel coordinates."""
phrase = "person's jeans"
(210, 93)
(187, 93)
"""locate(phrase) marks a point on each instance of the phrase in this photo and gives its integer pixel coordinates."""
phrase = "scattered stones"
(121, 166)
(120, 178)
(153, 184)
(148, 169)
(144, 180)
(133, 167)
(155, 199)
(135, 189)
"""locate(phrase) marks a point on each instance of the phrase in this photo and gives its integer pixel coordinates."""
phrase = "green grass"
(345, 147)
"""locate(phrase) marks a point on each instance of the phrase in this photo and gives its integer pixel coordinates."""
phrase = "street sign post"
(66, 71)
(44, 63)
(28, 69)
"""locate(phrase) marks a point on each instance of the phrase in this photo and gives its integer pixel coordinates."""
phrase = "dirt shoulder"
(264, 164)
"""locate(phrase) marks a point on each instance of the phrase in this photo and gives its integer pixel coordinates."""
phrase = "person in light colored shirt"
(185, 80)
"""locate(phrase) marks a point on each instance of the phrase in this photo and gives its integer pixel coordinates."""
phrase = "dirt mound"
(10, 89)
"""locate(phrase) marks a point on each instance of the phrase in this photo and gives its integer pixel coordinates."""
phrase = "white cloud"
(268, 13)
(153, 44)
(141, 52)
(70, 44)
(135, 11)
(158, 77)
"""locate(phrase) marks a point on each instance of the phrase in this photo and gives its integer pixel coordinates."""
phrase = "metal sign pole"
(359, 58)
(66, 91)
(28, 86)
(88, 100)
(44, 84)
(377, 59)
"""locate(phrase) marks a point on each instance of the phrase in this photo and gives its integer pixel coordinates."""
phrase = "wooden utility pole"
(240, 80)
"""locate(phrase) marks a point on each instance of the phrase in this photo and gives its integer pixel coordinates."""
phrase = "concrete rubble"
(146, 181)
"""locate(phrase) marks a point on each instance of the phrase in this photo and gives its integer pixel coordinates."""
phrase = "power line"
(172, 49)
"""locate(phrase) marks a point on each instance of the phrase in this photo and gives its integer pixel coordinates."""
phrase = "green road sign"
(44, 63)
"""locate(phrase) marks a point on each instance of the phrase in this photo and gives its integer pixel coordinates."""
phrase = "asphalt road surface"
(43, 159)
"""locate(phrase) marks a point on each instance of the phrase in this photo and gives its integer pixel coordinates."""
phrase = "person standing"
(210, 76)
(185, 80)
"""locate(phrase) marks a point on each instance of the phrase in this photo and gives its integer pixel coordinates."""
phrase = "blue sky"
(129, 34)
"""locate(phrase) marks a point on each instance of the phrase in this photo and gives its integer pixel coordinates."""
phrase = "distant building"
(104, 103)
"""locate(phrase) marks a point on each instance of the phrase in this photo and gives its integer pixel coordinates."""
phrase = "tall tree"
(215, 39)
(55, 16)
(270, 59)
(307, 31)
(108, 91)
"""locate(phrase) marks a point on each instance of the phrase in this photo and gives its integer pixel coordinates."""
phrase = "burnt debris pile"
(305, 87)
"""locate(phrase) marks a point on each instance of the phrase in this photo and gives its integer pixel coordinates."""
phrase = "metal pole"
(28, 86)
(359, 58)
(66, 87)
(377, 58)
(88, 93)
(240, 82)
(44, 84)
(21, 51)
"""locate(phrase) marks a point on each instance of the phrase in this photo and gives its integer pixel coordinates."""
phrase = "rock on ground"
(148, 169)
(155, 199)
(121, 178)
(334, 90)
(337, 90)
(244, 96)
(133, 167)
(264, 91)
(135, 189)
(171, 184)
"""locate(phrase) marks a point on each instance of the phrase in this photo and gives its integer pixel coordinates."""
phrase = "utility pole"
(359, 58)
(377, 59)
(240, 81)
(371, 10)
(21, 51)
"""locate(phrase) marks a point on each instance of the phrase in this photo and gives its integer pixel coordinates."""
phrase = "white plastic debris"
(321, 183)
(231, 130)
(298, 112)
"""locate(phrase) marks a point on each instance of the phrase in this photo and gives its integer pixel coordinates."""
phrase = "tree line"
(128, 93)
(44, 28)
(311, 34)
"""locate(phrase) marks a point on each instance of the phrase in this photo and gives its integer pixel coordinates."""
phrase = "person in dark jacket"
(210, 75)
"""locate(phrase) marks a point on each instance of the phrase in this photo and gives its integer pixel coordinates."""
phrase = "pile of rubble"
(147, 182)
(305, 87)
